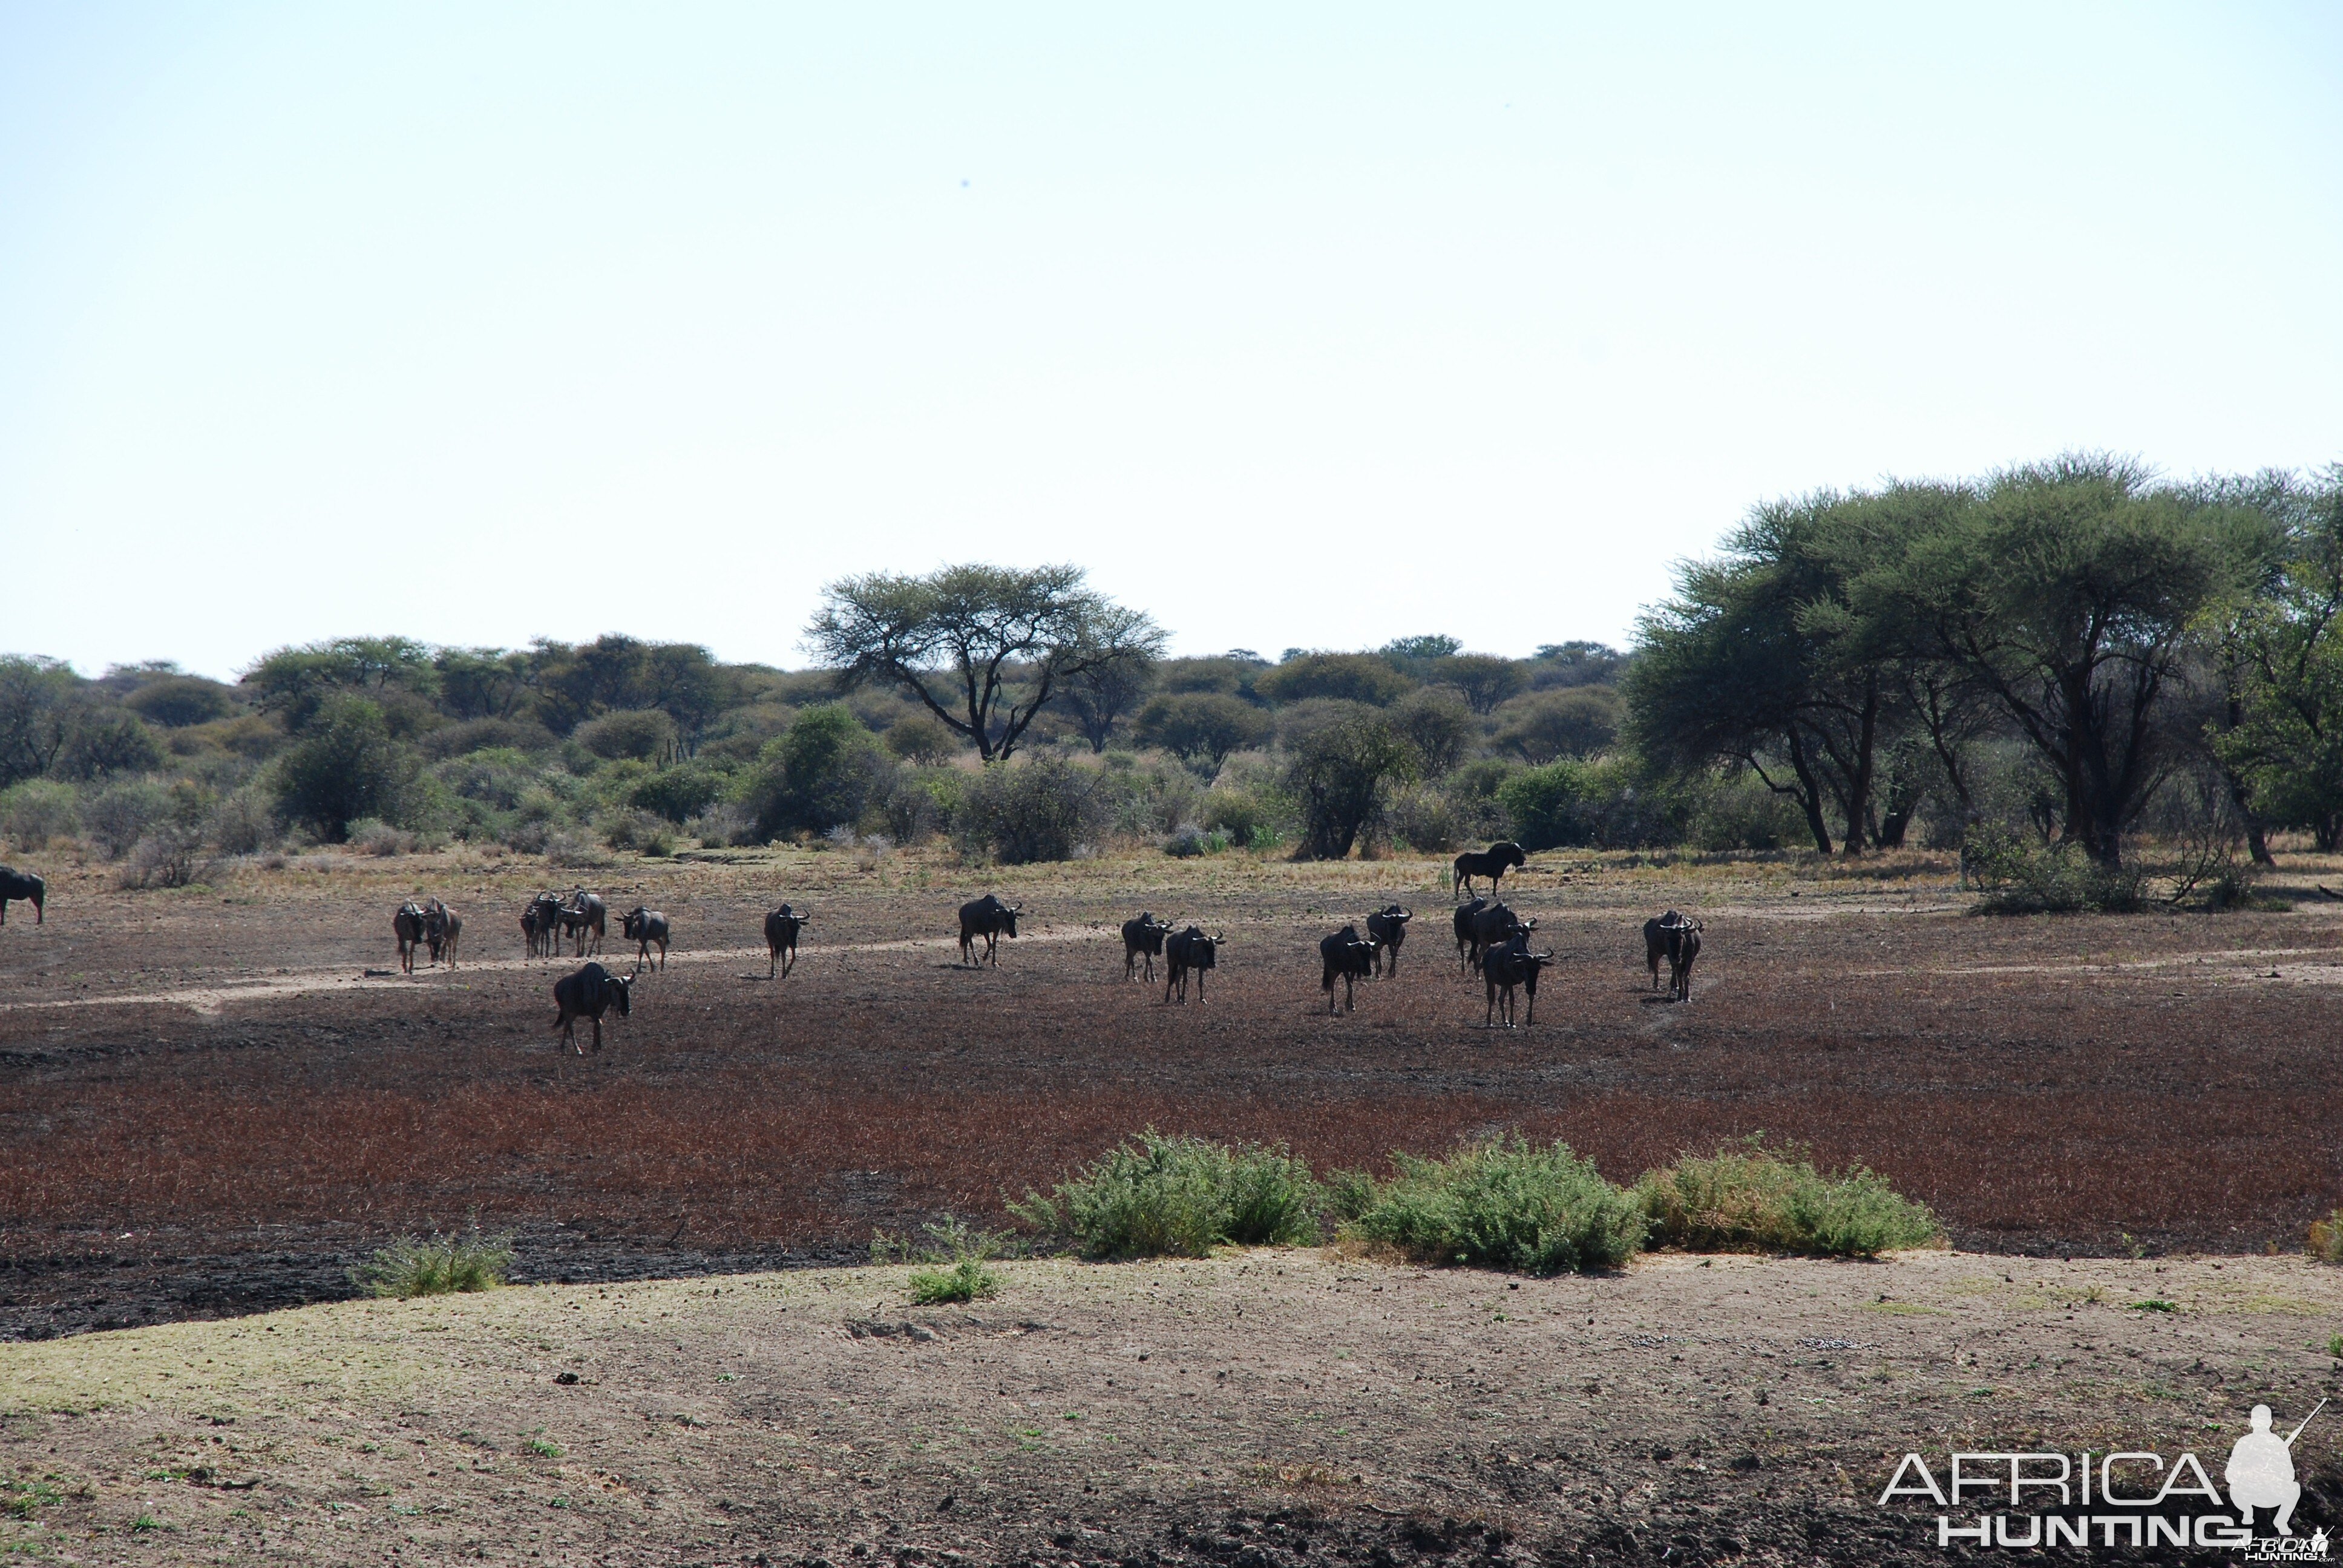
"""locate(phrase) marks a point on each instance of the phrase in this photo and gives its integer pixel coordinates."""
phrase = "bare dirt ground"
(1268, 1408)
(208, 1105)
(209, 1108)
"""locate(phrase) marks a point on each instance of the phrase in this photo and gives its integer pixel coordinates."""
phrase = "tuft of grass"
(439, 1266)
(1507, 1205)
(1747, 1197)
(1163, 1196)
(948, 1241)
(2326, 1238)
(2335, 1346)
(2155, 1304)
(966, 1280)
(545, 1447)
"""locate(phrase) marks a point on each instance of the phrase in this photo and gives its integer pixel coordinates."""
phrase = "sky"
(1295, 326)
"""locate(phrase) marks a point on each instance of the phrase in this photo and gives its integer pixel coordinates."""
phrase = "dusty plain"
(209, 1108)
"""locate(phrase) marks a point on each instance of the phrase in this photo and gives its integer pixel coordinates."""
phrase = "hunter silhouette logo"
(2129, 1498)
(2261, 1470)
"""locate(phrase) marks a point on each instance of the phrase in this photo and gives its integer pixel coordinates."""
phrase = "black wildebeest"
(1349, 957)
(1492, 864)
(1387, 929)
(408, 927)
(781, 928)
(588, 993)
(584, 915)
(23, 885)
(1492, 927)
(988, 918)
(643, 928)
(441, 928)
(1143, 939)
(1465, 915)
(1189, 950)
(538, 923)
(1509, 964)
(1679, 938)
(1655, 942)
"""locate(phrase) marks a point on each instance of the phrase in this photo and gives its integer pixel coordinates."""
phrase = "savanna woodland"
(2076, 673)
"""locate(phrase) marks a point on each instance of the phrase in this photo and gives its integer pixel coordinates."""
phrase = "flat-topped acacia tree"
(984, 647)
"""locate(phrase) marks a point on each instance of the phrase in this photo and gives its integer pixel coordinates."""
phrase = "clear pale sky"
(1295, 326)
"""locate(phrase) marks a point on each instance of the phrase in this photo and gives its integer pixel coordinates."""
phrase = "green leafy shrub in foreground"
(966, 1280)
(437, 1267)
(1750, 1199)
(1509, 1205)
(1158, 1195)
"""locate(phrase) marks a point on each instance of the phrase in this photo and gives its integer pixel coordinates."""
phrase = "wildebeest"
(1491, 863)
(781, 928)
(587, 993)
(1492, 927)
(538, 923)
(1509, 964)
(1679, 938)
(441, 928)
(1387, 929)
(408, 927)
(1189, 950)
(1465, 914)
(23, 885)
(582, 915)
(988, 918)
(644, 927)
(1656, 941)
(1349, 957)
(1143, 939)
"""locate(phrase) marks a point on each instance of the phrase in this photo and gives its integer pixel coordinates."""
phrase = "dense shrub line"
(1503, 1204)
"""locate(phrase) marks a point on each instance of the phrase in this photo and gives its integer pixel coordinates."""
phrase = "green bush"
(2327, 1240)
(966, 1280)
(2019, 878)
(824, 770)
(122, 814)
(1159, 1196)
(1346, 677)
(38, 810)
(1616, 803)
(1751, 1199)
(1507, 1205)
(345, 766)
(437, 1267)
(1046, 809)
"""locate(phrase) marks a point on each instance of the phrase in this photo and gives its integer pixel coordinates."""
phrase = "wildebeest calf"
(1143, 939)
(1387, 929)
(1189, 950)
(1509, 964)
(1349, 957)
(587, 993)
(408, 925)
(781, 928)
(25, 886)
(988, 918)
(643, 928)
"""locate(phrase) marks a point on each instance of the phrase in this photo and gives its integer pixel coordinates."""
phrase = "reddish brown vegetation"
(2042, 1111)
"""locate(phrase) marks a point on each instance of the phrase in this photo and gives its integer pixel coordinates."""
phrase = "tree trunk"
(1809, 793)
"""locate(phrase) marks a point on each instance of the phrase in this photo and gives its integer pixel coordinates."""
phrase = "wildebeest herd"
(1491, 941)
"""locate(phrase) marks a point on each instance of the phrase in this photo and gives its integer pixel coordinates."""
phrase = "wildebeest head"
(632, 923)
(1194, 949)
(618, 988)
(1008, 918)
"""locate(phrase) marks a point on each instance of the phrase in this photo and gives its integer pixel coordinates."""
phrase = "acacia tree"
(1102, 695)
(2067, 592)
(2282, 652)
(984, 649)
(1761, 662)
